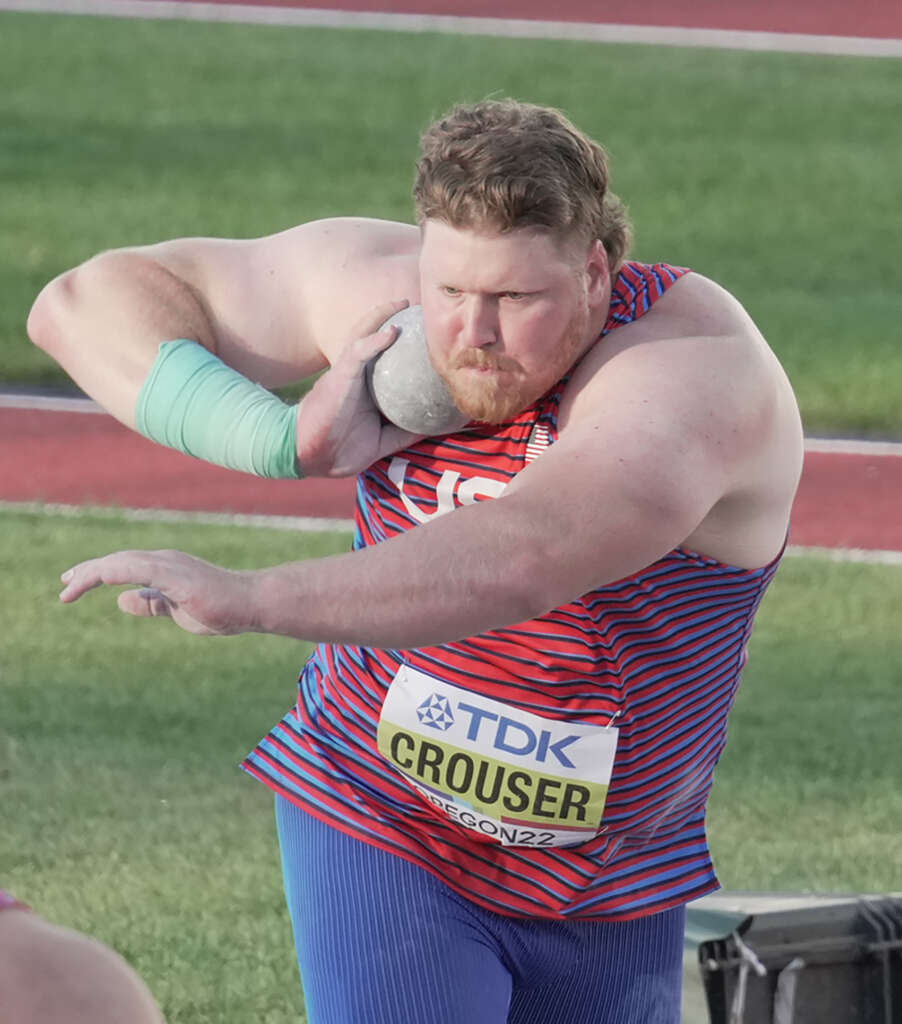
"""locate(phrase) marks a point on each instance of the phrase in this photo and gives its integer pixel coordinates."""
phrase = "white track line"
(53, 403)
(313, 524)
(316, 525)
(48, 403)
(875, 557)
(520, 28)
(840, 446)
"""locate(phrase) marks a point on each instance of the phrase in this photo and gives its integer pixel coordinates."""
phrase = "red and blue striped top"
(660, 652)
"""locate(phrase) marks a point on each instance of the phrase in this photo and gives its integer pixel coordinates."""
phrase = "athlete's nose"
(479, 323)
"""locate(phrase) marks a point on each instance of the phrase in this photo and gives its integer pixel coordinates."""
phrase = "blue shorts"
(382, 941)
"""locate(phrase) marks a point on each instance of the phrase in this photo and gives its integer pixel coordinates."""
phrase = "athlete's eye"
(450, 290)
(514, 296)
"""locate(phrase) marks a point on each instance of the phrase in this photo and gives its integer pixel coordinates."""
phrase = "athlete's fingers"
(393, 439)
(149, 602)
(374, 318)
(112, 570)
(370, 336)
(145, 602)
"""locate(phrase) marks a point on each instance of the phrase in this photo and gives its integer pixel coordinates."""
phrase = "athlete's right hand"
(340, 430)
(200, 597)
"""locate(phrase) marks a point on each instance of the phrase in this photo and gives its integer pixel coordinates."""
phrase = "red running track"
(879, 19)
(845, 500)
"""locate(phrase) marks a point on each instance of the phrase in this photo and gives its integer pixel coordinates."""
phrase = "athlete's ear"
(598, 274)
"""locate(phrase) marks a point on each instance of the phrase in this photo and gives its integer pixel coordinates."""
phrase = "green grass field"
(775, 174)
(125, 814)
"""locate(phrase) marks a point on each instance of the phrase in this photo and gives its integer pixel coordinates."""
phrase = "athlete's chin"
(494, 416)
(493, 402)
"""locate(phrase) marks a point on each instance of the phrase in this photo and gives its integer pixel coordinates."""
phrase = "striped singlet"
(659, 653)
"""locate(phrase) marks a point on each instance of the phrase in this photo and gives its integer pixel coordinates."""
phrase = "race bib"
(516, 777)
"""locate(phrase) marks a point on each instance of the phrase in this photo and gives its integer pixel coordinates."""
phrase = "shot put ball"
(405, 385)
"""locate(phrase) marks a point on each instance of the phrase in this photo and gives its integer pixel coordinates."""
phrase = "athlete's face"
(507, 315)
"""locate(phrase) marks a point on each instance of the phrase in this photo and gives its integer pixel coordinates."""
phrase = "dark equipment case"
(837, 963)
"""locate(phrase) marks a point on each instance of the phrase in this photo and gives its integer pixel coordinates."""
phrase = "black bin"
(835, 963)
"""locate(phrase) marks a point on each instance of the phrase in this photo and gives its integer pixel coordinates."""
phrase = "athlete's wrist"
(193, 402)
(268, 593)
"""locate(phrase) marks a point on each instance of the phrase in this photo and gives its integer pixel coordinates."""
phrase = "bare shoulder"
(330, 239)
(341, 268)
(366, 237)
(696, 350)
(334, 243)
(693, 307)
(697, 305)
(304, 287)
(694, 391)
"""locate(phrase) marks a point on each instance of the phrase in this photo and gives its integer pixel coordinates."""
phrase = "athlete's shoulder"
(691, 304)
(636, 288)
(694, 331)
(362, 238)
(332, 272)
(656, 277)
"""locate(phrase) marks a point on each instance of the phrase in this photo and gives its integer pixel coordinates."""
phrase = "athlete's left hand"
(340, 430)
(200, 597)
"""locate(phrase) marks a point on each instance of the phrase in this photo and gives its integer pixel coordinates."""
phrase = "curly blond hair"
(503, 165)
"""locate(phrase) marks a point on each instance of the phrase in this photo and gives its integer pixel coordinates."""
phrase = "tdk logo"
(436, 712)
(515, 737)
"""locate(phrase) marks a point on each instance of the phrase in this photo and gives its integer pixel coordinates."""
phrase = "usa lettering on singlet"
(467, 758)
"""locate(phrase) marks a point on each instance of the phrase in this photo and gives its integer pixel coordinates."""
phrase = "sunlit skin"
(507, 315)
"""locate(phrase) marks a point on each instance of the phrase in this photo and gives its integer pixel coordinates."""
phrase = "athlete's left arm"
(659, 433)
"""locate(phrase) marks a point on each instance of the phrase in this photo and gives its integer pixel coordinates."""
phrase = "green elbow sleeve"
(193, 402)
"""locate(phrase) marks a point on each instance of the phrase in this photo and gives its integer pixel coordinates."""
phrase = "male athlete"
(491, 792)
(54, 975)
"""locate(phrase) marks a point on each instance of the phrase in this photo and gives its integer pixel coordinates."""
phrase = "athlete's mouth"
(482, 363)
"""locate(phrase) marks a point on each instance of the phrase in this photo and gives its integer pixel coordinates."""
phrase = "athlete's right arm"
(275, 309)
